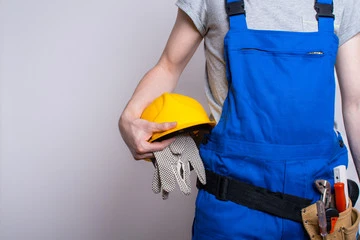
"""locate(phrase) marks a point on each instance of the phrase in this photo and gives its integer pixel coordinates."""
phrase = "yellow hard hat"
(174, 107)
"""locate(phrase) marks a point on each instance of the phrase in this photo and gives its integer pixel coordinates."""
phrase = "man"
(268, 98)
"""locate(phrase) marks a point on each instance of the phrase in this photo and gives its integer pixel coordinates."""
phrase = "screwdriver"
(320, 206)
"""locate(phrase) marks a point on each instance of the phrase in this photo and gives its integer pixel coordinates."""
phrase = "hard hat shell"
(174, 107)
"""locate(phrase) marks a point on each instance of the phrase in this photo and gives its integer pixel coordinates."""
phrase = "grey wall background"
(67, 69)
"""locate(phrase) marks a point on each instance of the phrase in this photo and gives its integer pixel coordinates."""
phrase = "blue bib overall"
(276, 128)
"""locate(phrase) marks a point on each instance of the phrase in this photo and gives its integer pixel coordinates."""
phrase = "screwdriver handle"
(340, 200)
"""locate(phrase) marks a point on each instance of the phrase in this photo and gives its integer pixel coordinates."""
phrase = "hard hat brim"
(188, 127)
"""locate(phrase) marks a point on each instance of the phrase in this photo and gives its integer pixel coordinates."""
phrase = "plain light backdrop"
(67, 69)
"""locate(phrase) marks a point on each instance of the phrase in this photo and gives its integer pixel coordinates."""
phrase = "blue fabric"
(276, 129)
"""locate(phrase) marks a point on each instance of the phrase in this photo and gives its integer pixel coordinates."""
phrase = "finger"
(146, 149)
(144, 156)
(159, 146)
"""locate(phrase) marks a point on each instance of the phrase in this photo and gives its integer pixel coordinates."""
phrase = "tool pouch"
(346, 226)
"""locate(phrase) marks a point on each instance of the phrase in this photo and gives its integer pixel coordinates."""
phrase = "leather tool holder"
(346, 227)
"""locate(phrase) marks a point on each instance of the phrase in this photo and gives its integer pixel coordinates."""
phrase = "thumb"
(161, 127)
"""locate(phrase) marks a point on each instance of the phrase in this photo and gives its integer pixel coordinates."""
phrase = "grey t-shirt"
(211, 21)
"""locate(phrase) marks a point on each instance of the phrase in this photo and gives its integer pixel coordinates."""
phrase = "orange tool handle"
(340, 200)
(333, 222)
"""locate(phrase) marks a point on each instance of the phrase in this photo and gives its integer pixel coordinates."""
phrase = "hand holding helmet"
(173, 163)
(136, 133)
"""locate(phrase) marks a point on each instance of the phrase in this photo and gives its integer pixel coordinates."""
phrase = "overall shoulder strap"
(324, 15)
(235, 9)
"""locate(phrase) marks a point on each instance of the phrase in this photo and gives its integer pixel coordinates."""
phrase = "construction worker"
(270, 88)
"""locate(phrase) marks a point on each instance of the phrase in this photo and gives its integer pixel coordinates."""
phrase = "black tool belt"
(258, 198)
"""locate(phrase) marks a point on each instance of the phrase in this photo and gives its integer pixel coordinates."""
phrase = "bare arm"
(182, 44)
(348, 71)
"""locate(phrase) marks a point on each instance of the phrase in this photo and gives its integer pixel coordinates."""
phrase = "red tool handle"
(340, 200)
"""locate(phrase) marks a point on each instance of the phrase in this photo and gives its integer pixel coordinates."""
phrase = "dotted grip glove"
(172, 165)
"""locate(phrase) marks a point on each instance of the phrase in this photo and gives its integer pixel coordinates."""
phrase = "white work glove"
(173, 164)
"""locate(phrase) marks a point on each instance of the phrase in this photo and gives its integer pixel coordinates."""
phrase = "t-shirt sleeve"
(350, 22)
(196, 10)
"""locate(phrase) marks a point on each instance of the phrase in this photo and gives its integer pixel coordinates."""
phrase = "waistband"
(258, 198)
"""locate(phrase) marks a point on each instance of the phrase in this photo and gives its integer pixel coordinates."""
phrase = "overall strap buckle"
(235, 8)
(324, 10)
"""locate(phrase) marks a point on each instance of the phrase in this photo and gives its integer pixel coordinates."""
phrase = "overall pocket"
(282, 95)
(346, 226)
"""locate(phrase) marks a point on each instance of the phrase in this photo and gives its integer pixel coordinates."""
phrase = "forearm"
(136, 131)
(348, 72)
(155, 82)
(351, 115)
(183, 42)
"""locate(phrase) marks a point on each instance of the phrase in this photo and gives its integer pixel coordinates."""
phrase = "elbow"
(170, 68)
(351, 106)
